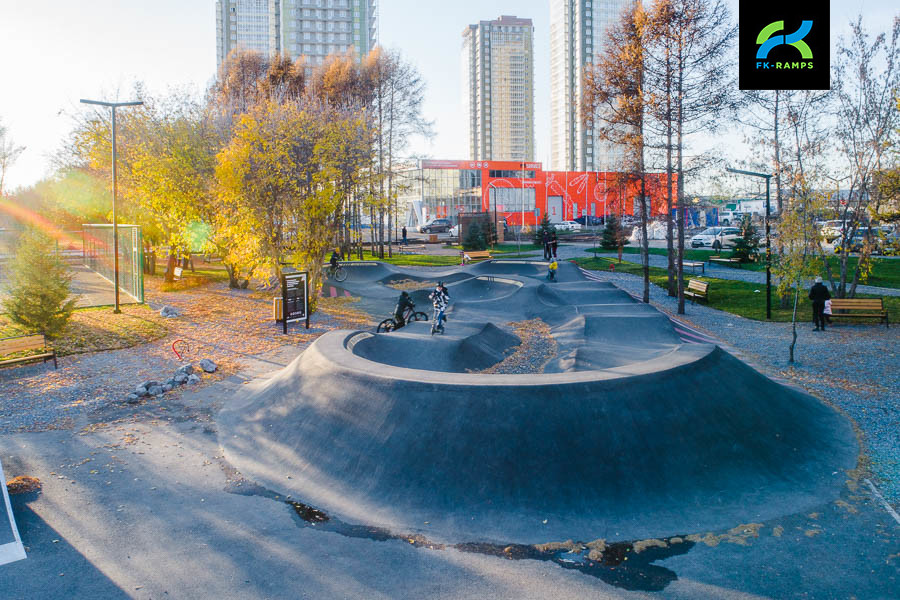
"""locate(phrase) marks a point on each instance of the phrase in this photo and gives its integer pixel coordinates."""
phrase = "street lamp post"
(114, 106)
(768, 177)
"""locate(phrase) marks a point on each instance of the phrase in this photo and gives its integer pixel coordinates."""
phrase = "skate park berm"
(628, 432)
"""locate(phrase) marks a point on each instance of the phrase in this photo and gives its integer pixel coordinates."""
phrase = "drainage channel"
(627, 565)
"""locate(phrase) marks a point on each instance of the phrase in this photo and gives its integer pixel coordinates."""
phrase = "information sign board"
(295, 298)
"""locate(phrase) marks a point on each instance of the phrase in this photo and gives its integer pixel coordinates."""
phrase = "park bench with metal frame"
(410, 248)
(693, 264)
(469, 256)
(697, 289)
(872, 308)
(726, 261)
(25, 343)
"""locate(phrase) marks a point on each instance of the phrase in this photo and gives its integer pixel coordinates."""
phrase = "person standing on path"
(545, 241)
(818, 293)
(554, 242)
(403, 233)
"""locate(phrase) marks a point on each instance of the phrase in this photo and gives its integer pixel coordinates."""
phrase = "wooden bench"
(24, 343)
(727, 261)
(693, 264)
(697, 289)
(475, 255)
(869, 308)
(409, 248)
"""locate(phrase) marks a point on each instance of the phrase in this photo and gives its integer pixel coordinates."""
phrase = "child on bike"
(403, 303)
(551, 270)
(440, 299)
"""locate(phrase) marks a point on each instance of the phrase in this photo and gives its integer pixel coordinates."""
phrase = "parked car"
(716, 238)
(436, 226)
(884, 241)
(831, 230)
(568, 226)
(729, 217)
(589, 221)
(454, 231)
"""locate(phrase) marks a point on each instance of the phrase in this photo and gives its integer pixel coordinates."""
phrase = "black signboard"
(295, 298)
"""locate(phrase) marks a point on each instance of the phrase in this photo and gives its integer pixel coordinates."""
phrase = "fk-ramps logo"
(784, 47)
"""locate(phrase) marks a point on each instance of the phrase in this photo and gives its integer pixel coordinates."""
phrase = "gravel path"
(534, 352)
(854, 367)
(228, 326)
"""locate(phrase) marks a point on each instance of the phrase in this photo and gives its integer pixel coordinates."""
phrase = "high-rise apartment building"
(247, 24)
(577, 35)
(312, 28)
(498, 82)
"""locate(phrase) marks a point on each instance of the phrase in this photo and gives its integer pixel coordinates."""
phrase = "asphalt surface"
(149, 508)
(619, 438)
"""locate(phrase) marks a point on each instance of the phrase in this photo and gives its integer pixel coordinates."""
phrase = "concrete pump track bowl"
(628, 433)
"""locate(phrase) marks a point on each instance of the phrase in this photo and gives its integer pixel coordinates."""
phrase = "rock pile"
(183, 375)
(168, 312)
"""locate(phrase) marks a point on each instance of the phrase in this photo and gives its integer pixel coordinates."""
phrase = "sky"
(55, 52)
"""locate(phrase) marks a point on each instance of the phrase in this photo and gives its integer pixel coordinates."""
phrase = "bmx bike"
(410, 314)
(337, 273)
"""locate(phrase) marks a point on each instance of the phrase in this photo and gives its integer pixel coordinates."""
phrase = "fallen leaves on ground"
(23, 485)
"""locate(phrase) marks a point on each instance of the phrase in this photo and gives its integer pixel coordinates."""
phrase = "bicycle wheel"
(386, 326)
(340, 274)
(419, 316)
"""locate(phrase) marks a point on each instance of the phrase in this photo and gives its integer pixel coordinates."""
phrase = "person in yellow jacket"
(551, 270)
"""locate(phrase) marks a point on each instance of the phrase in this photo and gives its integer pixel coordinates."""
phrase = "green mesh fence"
(99, 256)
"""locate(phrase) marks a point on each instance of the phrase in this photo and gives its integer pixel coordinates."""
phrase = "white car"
(716, 238)
(568, 226)
(454, 231)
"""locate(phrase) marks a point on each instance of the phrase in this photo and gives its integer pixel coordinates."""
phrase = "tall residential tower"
(498, 83)
(312, 28)
(577, 35)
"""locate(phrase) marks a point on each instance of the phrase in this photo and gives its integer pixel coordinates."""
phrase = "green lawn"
(98, 328)
(736, 297)
(885, 271)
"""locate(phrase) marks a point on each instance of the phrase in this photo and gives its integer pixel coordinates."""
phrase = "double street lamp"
(114, 106)
(767, 177)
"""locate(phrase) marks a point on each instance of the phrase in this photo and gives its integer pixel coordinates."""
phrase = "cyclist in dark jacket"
(818, 293)
(403, 303)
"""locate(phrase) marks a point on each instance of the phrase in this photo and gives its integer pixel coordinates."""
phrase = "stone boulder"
(185, 369)
(193, 379)
(208, 365)
(155, 390)
(168, 312)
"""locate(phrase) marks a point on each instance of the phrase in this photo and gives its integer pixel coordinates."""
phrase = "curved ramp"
(628, 433)
(536, 458)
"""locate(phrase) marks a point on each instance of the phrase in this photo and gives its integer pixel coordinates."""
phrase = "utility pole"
(114, 106)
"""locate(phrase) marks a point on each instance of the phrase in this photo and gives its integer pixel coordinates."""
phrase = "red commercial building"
(523, 192)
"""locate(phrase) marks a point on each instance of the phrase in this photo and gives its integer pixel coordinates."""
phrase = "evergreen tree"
(612, 234)
(475, 239)
(746, 247)
(37, 294)
(545, 226)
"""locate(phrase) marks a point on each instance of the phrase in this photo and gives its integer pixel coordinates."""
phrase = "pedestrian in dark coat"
(818, 293)
(554, 242)
(545, 241)
(403, 233)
